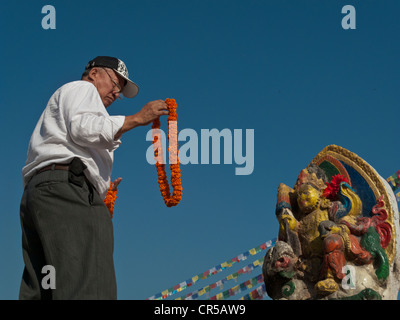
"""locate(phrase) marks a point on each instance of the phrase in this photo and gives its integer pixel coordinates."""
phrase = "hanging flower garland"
(173, 157)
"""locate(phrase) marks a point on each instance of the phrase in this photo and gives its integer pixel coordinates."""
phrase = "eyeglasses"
(117, 88)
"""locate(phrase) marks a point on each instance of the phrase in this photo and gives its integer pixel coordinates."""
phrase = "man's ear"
(93, 73)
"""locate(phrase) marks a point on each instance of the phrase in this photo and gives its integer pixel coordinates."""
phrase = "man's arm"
(151, 111)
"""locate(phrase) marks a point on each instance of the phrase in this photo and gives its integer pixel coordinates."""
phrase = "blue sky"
(286, 69)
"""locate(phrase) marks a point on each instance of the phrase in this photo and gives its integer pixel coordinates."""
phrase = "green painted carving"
(371, 242)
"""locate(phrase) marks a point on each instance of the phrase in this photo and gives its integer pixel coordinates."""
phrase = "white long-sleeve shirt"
(75, 123)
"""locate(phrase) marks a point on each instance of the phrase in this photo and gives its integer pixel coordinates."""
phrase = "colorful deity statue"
(338, 230)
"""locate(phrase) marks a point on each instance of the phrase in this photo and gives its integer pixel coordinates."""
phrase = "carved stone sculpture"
(338, 233)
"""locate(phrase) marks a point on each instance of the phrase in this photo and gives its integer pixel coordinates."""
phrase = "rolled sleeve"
(114, 124)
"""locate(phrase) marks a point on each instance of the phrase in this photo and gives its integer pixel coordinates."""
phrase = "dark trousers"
(66, 225)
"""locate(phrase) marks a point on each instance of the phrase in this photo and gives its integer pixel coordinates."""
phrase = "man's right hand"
(150, 111)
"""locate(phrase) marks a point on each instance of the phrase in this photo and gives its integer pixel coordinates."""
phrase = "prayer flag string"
(394, 181)
(220, 283)
(240, 288)
(257, 294)
(210, 272)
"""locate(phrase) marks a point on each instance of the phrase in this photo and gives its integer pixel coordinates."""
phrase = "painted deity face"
(308, 198)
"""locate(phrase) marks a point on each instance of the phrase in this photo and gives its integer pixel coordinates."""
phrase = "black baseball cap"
(130, 89)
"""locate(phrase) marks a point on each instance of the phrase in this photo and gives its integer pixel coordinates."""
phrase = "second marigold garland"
(110, 198)
(170, 200)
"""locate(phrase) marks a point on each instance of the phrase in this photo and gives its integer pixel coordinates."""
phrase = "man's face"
(108, 83)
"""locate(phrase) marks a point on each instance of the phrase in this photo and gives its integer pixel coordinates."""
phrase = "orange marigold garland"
(110, 199)
(173, 157)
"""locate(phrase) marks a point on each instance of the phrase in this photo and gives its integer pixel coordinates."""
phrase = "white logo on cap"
(122, 68)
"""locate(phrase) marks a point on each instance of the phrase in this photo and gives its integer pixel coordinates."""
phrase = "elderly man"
(65, 223)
